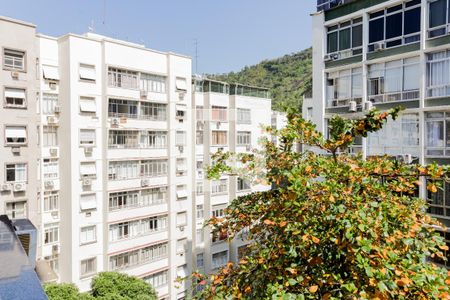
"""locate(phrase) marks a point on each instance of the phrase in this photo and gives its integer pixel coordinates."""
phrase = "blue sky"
(231, 33)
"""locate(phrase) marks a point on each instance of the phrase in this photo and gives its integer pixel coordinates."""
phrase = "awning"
(50, 72)
(88, 202)
(88, 169)
(181, 218)
(181, 167)
(14, 93)
(182, 194)
(87, 105)
(87, 73)
(181, 107)
(180, 84)
(16, 132)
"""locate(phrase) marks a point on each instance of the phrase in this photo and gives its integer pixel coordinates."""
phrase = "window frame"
(12, 68)
(13, 106)
(15, 144)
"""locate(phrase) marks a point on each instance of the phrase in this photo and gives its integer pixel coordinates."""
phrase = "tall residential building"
(386, 53)
(228, 118)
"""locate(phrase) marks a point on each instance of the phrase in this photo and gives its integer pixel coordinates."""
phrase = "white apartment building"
(229, 118)
(386, 53)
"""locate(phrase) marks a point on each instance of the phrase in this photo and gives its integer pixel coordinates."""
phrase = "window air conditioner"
(378, 46)
(352, 106)
(88, 150)
(181, 149)
(145, 182)
(368, 105)
(19, 187)
(181, 228)
(54, 151)
(49, 184)
(15, 150)
(87, 181)
(327, 58)
(5, 187)
(405, 158)
(55, 249)
(52, 120)
(15, 74)
(115, 121)
(52, 85)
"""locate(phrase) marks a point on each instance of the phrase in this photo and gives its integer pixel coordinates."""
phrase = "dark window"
(412, 21)
(438, 11)
(377, 14)
(412, 3)
(394, 8)
(376, 30)
(344, 39)
(357, 36)
(332, 42)
(394, 25)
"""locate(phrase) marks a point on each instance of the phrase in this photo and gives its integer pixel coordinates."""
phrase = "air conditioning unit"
(181, 96)
(19, 187)
(5, 187)
(54, 151)
(115, 121)
(181, 149)
(218, 125)
(181, 228)
(88, 150)
(87, 181)
(368, 105)
(15, 150)
(52, 120)
(334, 56)
(55, 249)
(145, 182)
(379, 46)
(52, 85)
(352, 106)
(405, 158)
(345, 54)
(15, 74)
(54, 214)
(57, 109)
(143, 94)
(49, 184)
(327, 58)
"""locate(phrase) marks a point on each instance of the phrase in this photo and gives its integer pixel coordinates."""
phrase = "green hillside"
(288, 78)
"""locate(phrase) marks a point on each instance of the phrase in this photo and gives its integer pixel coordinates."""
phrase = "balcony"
(395, 97)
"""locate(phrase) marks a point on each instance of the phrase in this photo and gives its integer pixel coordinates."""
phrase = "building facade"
(383, 54)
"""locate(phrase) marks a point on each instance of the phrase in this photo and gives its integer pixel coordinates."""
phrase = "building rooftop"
(330, 4)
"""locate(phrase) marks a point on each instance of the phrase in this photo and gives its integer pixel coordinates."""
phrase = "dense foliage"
(335, 227)
(105, 286)
(288, 78)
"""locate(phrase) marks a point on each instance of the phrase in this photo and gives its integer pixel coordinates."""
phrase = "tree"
(62, 291)
(334, 226)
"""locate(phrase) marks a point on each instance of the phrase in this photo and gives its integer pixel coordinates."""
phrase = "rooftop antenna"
(91, 28)
(196, 55)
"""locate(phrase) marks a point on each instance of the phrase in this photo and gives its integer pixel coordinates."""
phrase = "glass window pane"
(357, 36)
(376, 30)
(438, 13)
(332, 42)
(344, 39)
(394, 25)
(412, 21)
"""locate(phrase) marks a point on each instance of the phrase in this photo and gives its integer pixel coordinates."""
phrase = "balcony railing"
(343, 102)
(396, 96)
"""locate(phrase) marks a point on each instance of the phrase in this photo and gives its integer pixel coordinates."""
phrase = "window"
(88, 170)
(219, 138)
(199, 237)
(219, 186)
(244, 116)
(200, 212)
(438, 18)
(16, 172)
(15, 98)
(88, 267)
(182, 192)
(53, 262)
(50, 72)
(219, 113)
(182, 246)
(122, 78)
(50, 168)
(123, 200)
(123, 139)
(309, 114)
(88, 202)
(51, 201)
(199, 137)
(157, 280)
(395, 26)
(51, 233)
(216, 87)
(180, 138)
(438, 74)
(182, 271)
(437, 133)
(182, 219)
(154, 196)
(120, 170)
(200, 260)
(88, 234)
(123, 108)
(344, 86)
(136, 228)
(199, 112)
(181, 166)
(87, 72)
(154, 168)
(199, 188)
(88, 105)
(154, 252)
(13, 59)
(219, 259)
(218, 211)
(181, 84)
(124, 260)
(154, 139)
(15, 135)
(50, 136)
(49, 102)
(439, 202)
(181, 112)
(153, 83)
(397, 80)
(87, 137)
(345, 36)
(244, 138)
(16, 210)
(153, 111)
(243, 185)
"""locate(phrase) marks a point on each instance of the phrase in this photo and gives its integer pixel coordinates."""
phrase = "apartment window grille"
(200, 260)
(87, 72)
(51, 201)
(180, 138)
(153, 83)
(154, 168)
(438, 18)
(219, 138)
(50, 136)
(219, 259)
(219, 186)
(244, 138)
(136, 228)
(13, 59)
(17, 209)
(219, 113)
(437, 134)
(157, 280)
(120, 170)
(15, 135)
(122, 78)
(397, 80)
(88, 267)
(50, 168)
(88, 234)
(49, 102)
(53, 262)
(51, 233)
(200, 212)
(438, 74)
(88, 105)
(16, 172)
(123, 200)
(199, 237)
(15, 98)
(153, 111)
(244, 116)
(154, 139)
(199, 188)
(345, 38)
(123, 139)
(123, 108)
(395, 26)
(344, 86)
(218, 211)
(87, 137)
(243, 185)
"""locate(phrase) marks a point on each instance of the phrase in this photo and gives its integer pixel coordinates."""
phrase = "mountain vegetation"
(288, 78)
